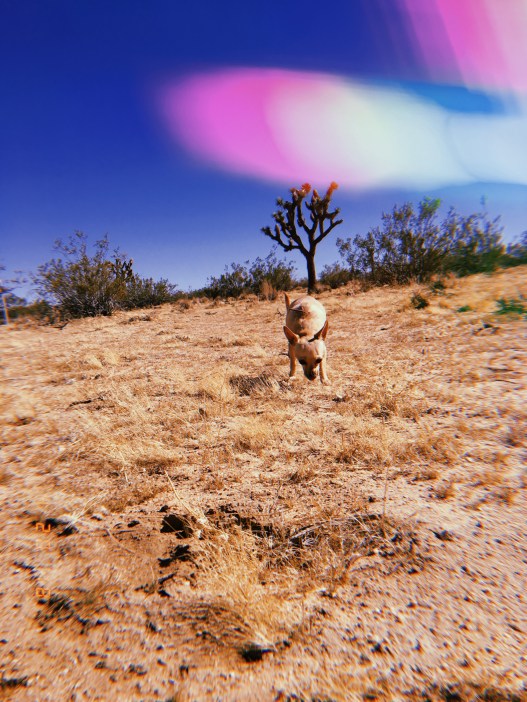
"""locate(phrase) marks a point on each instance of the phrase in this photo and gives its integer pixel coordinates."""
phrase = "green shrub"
(418, 301)
(335, 276)
(410, 245)
(516, 254)
(277, 274)
(231, 283)
(39, 310)
(147, 292)
(84, 285)
(511, 306)
(267, 274)
(476, 245)
(413, 244)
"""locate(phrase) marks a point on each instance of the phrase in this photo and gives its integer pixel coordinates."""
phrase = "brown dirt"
(214, 532)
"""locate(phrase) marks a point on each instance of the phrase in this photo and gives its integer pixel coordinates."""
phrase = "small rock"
(137, 669)
(254, 651)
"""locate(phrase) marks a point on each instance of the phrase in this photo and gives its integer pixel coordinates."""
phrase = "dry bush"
(445, 490)
(133, 495)
(255, 566)
(242, 341)
(229, 563)
(267, 291)
(216, 386)
(441, 446)
(382, 400)
(257, 433)
(259, 384)
(374, 442)
(367, 442)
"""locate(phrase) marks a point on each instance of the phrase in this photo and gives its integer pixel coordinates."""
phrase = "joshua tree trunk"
(311, 273)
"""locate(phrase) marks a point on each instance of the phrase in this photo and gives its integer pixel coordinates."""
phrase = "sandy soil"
(181, 523)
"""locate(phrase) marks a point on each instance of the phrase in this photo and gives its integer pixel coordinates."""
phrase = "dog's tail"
(287, 301)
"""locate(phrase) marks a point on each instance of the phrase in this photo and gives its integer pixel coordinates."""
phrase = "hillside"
(216, 532)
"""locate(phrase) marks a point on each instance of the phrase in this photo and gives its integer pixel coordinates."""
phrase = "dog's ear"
(287, 301)
(291, 336)
(323, 332)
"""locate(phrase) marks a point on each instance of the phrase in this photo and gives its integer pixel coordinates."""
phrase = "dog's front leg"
(292, 362)
(323, 372)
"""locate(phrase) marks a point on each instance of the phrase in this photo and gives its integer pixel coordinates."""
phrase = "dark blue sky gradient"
(81, 145)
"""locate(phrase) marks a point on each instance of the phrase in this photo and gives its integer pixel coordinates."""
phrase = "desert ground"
(180, 522)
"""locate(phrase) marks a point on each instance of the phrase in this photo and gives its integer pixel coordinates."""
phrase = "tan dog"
(306, 329)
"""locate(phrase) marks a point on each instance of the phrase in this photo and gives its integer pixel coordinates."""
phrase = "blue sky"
(82, 145)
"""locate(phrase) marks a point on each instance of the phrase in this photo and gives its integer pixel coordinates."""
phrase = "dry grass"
(298, 497)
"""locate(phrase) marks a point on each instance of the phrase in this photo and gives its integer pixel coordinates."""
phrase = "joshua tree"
(290, 221)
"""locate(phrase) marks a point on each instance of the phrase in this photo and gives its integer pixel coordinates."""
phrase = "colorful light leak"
(290, 126)
(480, 43)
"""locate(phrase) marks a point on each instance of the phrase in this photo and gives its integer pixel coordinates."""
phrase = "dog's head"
(308, 352)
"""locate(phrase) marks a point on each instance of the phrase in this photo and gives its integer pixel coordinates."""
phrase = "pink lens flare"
(480, 43)
(291, 127)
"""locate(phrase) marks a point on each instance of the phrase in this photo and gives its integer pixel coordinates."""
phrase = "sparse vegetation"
(512, 306)
(335, 276)
(265, 277)
(413, 244)
(84, 285)
(226, 514)
(419, 301)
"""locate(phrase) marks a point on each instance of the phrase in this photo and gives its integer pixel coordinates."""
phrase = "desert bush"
(277, 274)
(335, 276)
(516, 253)
(84, 285)
(79, 284)
(410, 245)
(265, 276)
(475, 244)
(419, 301)
(38, 310)
(267, 291)
(231, 283)
(413, 244)
(147, 292)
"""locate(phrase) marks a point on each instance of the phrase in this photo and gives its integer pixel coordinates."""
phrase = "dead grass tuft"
(247, 385)
(445, 491)
(216, 386)
(256, 433)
